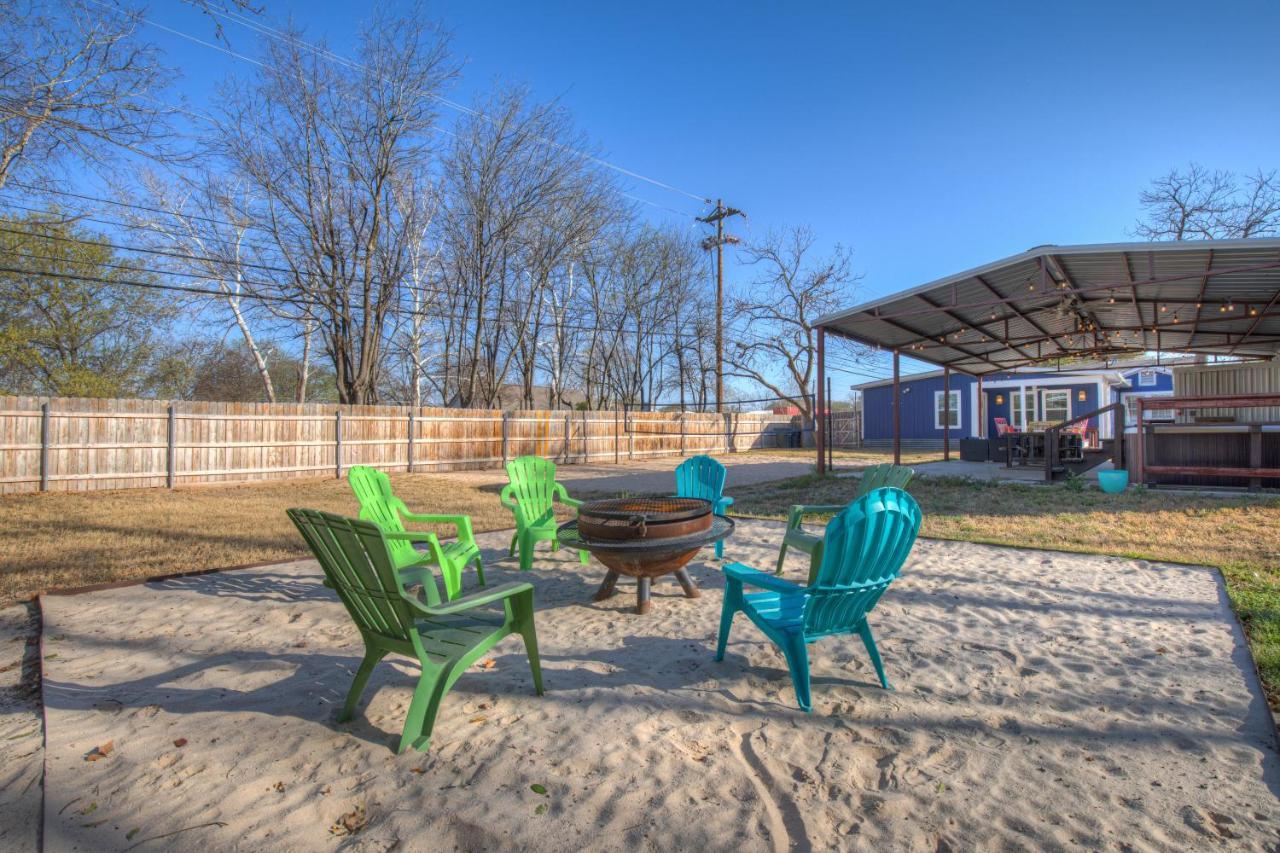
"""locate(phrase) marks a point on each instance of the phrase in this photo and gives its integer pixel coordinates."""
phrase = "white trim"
(1044, 405)
(959, 412)
(974, 431)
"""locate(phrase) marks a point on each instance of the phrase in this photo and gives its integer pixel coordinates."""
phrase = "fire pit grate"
(653, 509)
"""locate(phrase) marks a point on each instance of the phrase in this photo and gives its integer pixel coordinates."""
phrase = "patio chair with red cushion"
(1003, 428)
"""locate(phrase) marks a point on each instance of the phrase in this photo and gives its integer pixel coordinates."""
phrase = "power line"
(324, 53)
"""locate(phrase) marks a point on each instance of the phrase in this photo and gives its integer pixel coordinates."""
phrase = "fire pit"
(644, 538)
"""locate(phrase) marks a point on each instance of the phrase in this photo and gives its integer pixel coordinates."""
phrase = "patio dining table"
(1028, 448)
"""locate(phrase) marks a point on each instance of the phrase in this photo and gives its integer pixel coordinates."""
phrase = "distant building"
(1019, 397)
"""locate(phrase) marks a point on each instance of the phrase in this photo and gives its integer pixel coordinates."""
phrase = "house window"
(1057, 406)
(1146, 378)
(1131, 411)
(1022, 407)
(940, 416)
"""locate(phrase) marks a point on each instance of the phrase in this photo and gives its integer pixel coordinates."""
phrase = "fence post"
(170, 465)
(44, 447)
(337, 445)
(615, 437)
(586, 439)
(567, 421)
(411, 413)
(682, 432)
(506, 438)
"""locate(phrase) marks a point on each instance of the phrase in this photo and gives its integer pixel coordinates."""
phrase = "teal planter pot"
(1113, 482)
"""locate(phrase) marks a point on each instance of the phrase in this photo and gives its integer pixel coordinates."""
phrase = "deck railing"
(1053, 436)
(1255, 471)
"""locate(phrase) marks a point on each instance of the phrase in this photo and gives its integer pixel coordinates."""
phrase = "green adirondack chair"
(875, 477)
(445, 638)
(531, 497)
(379, 505)
(866, 545)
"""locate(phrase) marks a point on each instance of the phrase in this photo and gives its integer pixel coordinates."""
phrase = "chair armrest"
(505, 497)
(814, 509)
(411, 536)
(434, 518)
(476, 599)
(724, 503)
(565, 499)
(755, 577)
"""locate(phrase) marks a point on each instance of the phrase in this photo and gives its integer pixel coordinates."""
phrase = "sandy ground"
(1042, 701)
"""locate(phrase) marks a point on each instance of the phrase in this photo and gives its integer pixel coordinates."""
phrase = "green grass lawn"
(1238, 536)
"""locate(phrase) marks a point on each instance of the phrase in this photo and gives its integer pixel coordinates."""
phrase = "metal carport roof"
(1215, 297)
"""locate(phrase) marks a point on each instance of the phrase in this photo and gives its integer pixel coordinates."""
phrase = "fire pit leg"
(642, 595)
(687, 584)
(608, 586)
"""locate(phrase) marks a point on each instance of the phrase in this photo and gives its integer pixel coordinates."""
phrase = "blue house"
(1019, 397)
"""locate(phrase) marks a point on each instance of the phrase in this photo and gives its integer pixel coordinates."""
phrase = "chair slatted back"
(700, 477)
(532, 485)
(380, 505)
(865, 547)
(357, 563)
(884, 475)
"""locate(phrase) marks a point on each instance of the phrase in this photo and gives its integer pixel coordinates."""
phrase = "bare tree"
(204, 229)
(75, 80)
(1198, 203)
(779, 309)
(322, 146)
(520, 196)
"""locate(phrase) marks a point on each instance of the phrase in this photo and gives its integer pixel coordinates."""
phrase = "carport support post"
(982, 420)
(897, 413)
(819, 416)
(946, 414)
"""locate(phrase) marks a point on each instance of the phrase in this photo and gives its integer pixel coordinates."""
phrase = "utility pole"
(718, 216)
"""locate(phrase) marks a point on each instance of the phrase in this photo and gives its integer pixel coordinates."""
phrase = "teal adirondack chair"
(703, 477)
(444, 638)
(875, 477)
(379, 505)
(531, 495)
(866, 545)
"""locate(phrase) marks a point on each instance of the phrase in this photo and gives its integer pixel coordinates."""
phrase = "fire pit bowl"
(644, 538)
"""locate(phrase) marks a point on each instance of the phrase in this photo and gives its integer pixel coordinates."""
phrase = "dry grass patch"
(69, 539)
(854, 457)
(1239, 536)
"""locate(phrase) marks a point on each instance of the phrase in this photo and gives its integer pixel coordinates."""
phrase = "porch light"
(999, 399)
(1080, 395)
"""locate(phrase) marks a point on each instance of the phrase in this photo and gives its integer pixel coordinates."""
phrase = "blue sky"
(929, 137)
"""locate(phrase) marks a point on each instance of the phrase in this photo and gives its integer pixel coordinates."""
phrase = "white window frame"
(955, 409)
(1044, 403)
(1148, 378)
(1025, 412)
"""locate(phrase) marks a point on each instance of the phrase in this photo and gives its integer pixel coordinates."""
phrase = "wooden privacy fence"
(81, 444)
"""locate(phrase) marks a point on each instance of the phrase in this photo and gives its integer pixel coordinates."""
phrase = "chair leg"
(526, 552)
(480, 570)
(515, 537)
(452, 574)
(584, 557)
(421, 718)
(371, 658)
(720, 549)
(530, 636)
(731, 605)
(797, 654)
(864, 631)
(782, 555)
